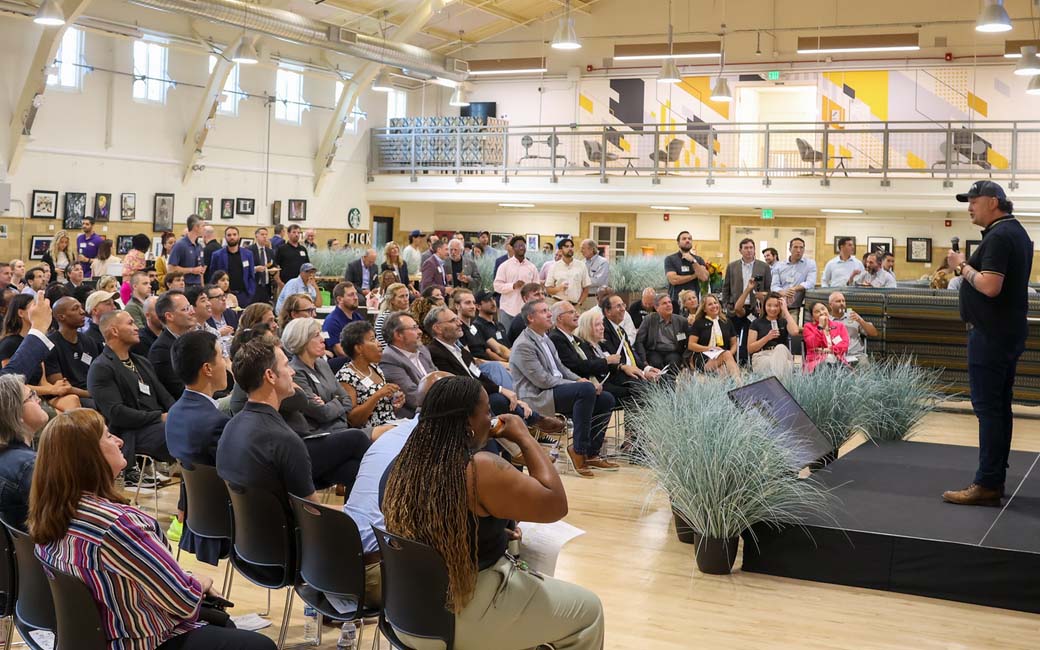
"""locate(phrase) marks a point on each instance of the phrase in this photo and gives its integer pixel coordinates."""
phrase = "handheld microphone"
(955, 244)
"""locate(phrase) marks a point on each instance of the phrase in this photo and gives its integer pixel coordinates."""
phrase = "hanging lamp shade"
(566, 38)
(49, 14)
(459, 98)
(1029, 64)
(1034, 86)
(993, 18)
(720, 92)
(246, 53)
(669, 73)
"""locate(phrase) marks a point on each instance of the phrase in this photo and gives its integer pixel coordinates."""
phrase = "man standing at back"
(994, 304)
(568, 279)
(684, 269)
(239, 265)
(793, 277)
(843, 269)
(510, 277)
(87, 246)
(187, 254)
(291, 255)
(599, 269)
(362, 272)
(262, 260)
(210, 244)
(433, 266)
(411, 254)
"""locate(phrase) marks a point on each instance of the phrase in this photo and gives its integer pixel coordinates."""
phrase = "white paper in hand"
(713, 354)
(542, 543)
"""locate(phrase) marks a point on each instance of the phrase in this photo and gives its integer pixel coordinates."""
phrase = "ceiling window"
(289, 102)
(68, 68)
(396, 105)
(150, 72)
(232, 91)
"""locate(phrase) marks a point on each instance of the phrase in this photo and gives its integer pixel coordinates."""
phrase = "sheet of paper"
(43, 638)
(252, 622)
(342, 605)
(713, 354)
(542, 543)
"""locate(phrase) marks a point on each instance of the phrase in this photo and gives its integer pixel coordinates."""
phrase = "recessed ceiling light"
(516, 205)
(674, 208)
(841, 211)
(858, 43)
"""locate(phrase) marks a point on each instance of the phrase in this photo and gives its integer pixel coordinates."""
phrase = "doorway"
(382, 231)
(775, 105)
(771, 237)
(610, 238)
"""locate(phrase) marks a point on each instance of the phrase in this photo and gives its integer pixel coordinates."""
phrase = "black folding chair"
(79, 624)
(415, 590)
(8, 583)
(208, 510)
(331, 564)
(34, 607)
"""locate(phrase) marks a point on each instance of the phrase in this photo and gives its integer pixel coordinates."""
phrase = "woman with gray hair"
(20, 417)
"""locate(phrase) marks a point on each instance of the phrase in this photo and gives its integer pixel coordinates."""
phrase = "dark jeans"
(500, 405)
(336, 458)
(262, 293)
(150, 440)
(664, 359)
(589, 412)
(991, 375)
(218, 638)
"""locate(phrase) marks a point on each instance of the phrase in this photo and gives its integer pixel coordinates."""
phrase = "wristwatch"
(960, 267)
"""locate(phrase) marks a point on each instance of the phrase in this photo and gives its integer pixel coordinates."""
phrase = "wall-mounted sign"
(359, 238)
(354, 218)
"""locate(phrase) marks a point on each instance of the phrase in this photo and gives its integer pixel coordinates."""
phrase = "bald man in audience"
(73, 353)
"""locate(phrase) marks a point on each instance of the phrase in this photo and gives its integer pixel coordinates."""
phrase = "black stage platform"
(891, 530)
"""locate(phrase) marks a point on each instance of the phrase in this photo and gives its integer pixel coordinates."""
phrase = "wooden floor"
(655, 598)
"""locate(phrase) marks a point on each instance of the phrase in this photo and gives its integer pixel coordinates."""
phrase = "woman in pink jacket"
(826, 341)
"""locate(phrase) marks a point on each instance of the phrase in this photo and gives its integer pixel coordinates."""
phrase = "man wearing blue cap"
(994, 302)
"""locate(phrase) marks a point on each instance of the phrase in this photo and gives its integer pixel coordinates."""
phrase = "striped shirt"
(120, 553)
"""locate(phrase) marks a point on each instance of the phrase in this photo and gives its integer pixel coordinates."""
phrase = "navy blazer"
(219, 262)
(27, 358)
(160, 356)
(402, 272)
(230, 317)
(193, 427)
(355, 274)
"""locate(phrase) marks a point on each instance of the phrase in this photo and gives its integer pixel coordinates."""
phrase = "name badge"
(837, 339)
(314, 379)
(245, 264)
(686, 269)
(144, 388)
(325, 335)
(681, 336)
(473, 330)
(474, 370)
(86, 358)
(498, 335)
(367, 382)
(82, 245)
(303, 253)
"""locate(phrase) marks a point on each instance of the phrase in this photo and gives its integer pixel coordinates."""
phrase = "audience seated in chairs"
(550, 387)
(298, 305)
(374, 398)
(464, 497)
(177, 315)
(618, 340)
(404, 361)
(128, 393)
(345, 311)
(860, 329)
(20, 418)
(489, 326)
(663, 337)
(713, 340)
(690, 302)
(395, 298)
(82, 526)
(623, 380)
(98, 304)
(769, 339)
(151, 330)
(529, 292)
(482, 342)
(826, 340)
(258, 312)
(57, 396)
(73, 353)
(34, 347)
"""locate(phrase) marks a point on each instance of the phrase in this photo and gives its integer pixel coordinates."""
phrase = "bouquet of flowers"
(714, 283)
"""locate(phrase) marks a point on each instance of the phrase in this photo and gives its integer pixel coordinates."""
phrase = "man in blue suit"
(34, 348)
(194, 423)
(239, 264)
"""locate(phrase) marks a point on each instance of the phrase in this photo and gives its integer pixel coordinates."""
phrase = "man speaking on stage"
(994, 303)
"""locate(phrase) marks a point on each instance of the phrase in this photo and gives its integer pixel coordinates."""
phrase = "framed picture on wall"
(297, 210)
(162, 216)
(39, 245)
(245, 206)
(532, 242)
(204, 207)
(123, 244)
(245, 242)
(157, 250)
(227, 208)
(44, 204)
(127, 207)
(500, 239)
(918, 249)
(276, 212)
(881, 244)
(970, 246)
(102, 206)
(75, 210)
(839, 238)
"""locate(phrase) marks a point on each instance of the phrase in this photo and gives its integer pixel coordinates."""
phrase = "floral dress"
(365, 389)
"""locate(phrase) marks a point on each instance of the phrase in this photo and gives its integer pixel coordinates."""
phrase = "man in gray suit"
(405, 362)
(548, 386)
(459, 269)
(738, 274)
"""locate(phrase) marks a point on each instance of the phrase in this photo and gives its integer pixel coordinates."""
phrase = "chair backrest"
(209, 507)
(262, 535)
(8, 575)
(674, 149)
(591, 150)
(78, 621)
(552, 141)
(415, 588)
(804, 150)
(34, 605)
(331, 555)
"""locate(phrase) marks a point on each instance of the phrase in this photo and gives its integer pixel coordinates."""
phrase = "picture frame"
(840, 237)
(162, 214)
(75, 210)
(227, 208)
(102, 206)
(123, 244)
(970, 246)
(881, 245)
(204, 207)
(500, 239)
(532, 242)
(39, 245)
(276, 212)
(245, 206)
(157, 246)
(297, 210)
(919, 249)
(245, 242)
(44, 204)
(3, 231)
(127, 206)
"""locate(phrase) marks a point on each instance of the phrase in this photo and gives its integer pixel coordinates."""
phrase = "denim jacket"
(16, 470)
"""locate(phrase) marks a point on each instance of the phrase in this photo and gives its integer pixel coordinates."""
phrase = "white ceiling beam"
(202, 122)
(577, 6)
(491, 7)
(29, 101)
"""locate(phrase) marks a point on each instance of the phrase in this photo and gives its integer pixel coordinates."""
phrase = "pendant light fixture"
(49, 14)
(460, 97)
(381, 84)
(566, 38)
(1029, 64)
(720, 92)
(669, 73)
(1034, 86)
(993, 18)
(246, 53)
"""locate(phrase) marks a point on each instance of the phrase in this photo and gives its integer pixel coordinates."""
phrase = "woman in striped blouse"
(82, 525)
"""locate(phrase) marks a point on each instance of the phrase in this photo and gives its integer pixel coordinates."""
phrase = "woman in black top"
(769, 338)
(392, 261)
(714, 341)
(57, 396)
(445, 493)
(20, 417)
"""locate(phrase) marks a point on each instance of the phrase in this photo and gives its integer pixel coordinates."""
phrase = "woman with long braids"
(444, 492)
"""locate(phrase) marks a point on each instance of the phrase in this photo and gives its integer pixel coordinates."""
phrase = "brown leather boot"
(578, 461)
(550, 425)
(602, 463)
(973, 495)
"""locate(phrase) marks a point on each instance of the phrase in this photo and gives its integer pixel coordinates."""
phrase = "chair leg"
(268, 612)
(285, 617)
(229, 574)
(10, 632)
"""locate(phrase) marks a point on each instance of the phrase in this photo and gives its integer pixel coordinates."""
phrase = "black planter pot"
(683, 531)
(715, 556)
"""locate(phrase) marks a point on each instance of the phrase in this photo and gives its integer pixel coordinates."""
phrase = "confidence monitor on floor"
(791, 424)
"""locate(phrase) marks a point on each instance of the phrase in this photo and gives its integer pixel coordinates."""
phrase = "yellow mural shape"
(624, 144)
(700, 88)
(995, 159)
(978, 105)
(832, 111)
(914, 162)
(871, 88)
(584, 102)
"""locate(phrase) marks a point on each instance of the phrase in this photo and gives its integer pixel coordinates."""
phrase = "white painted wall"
(250, 155)
(701, 226)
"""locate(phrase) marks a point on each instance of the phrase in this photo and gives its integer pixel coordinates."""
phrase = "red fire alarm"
(949, 56)
(667, 216)
(948, 223)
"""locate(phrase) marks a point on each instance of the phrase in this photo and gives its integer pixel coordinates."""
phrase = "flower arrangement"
(715, 277)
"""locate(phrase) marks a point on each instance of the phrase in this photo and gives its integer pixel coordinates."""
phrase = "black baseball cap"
(983, 188)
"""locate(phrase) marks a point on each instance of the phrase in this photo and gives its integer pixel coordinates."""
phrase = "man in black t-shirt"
(486, 322)
(684, 269)
(291, 255)
(640, 309)
(72, 354)
(994, 303)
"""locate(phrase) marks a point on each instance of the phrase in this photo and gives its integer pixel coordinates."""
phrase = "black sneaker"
(132, 477)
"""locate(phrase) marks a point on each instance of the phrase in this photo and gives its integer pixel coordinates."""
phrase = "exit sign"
(774, 75)
(767, 213)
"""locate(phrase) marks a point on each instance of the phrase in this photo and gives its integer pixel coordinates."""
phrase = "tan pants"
(777, 361)
(526, 612)
(373, 586)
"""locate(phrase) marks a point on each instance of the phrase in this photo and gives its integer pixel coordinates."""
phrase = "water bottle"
(347, 637)
(310, 625)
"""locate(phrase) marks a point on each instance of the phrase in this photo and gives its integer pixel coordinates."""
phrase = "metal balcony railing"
(1008, 151)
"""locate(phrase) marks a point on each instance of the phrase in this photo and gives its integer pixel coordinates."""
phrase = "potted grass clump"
(723, 467)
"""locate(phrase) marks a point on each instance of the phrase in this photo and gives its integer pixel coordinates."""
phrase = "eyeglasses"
(216, 297)
(33, 397)
(310, 311)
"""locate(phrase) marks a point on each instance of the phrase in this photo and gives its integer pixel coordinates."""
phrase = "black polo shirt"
(71, 360)
(491, 330)
(675, 262)
(638, 312)
(259, 450)
(473, 338)
(1005, 249)
(289, 259)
